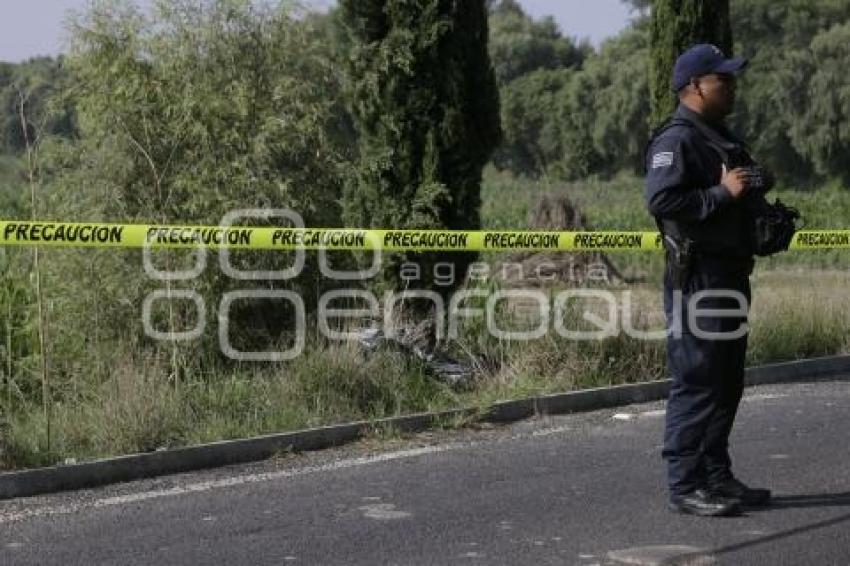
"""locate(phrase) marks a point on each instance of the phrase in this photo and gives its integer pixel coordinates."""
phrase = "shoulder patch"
(662, 159)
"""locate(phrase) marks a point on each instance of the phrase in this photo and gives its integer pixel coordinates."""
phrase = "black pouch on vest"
(774, 226)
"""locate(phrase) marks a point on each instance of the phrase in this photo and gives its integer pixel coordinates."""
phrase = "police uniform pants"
(707, 374)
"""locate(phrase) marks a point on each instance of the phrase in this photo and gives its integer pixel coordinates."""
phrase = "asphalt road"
(578, 489)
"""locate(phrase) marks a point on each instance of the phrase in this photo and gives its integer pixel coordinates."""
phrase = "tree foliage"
(186, 114)
(572, 122)
(677, 25)
(532, 144)
(781, 109)
(605, 110)
(638, 5)
(818, 104)
(425, 102)
(38, 84)
(520, 44)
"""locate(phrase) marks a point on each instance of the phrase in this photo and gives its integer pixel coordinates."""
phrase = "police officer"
(699, 197)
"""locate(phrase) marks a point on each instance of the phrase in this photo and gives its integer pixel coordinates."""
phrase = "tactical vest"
(727, 233)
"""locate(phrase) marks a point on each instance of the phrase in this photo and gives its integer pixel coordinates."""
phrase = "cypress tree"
(676, 25)
(424, 99)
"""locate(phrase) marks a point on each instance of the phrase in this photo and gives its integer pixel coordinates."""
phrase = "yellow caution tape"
(46, 233)
(821, 239)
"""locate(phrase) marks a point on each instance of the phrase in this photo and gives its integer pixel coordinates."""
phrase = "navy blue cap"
(703, 59)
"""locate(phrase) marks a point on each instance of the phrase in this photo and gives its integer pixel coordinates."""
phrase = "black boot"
(703, 503)
(734, 489)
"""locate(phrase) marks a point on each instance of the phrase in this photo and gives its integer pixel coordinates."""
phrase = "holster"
(680, 258)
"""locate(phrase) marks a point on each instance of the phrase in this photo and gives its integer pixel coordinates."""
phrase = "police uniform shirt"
(683, 188)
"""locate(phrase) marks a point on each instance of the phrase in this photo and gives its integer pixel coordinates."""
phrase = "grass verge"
(130, 401)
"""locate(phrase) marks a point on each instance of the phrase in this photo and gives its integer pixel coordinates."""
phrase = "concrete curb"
(137, 466)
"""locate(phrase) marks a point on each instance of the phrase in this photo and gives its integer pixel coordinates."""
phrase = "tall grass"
(138, 408)
(618, 204)
(135, 406)
(799, 315)
(117, 392)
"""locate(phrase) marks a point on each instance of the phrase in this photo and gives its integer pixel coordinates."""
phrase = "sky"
(36, 27)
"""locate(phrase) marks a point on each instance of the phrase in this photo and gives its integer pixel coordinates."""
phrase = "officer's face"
(718, 93)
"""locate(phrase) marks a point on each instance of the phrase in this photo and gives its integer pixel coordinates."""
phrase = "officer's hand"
(736, 181)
